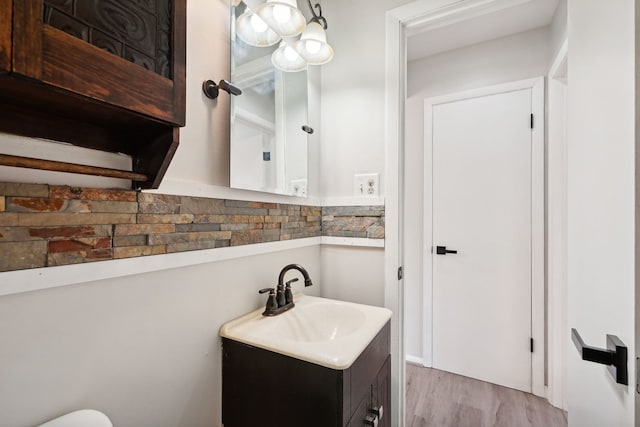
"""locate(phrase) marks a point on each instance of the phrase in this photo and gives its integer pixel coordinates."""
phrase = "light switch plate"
(366, 184)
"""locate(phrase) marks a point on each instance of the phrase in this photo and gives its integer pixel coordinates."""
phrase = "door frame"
(537, 220)
(557, 322)
(411, 18)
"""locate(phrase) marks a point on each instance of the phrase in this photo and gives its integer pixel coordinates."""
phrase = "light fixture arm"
(317, 17)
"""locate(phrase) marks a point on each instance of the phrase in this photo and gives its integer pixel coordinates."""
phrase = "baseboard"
(414, 360)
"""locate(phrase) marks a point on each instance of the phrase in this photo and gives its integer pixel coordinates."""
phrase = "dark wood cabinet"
(263, 388)
(382, 395)
(101, 74)
(374, 404)
(361, 412)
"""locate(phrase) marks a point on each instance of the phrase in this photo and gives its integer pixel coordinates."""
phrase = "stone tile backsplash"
(47, 225)
(353, 221)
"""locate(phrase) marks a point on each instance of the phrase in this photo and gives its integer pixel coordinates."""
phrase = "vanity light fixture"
(252, 30)
(313, 46)
(283, 16)
(285, 58)
(276, 20)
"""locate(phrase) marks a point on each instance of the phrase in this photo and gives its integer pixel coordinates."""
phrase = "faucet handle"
(272, 302)
(288, 295)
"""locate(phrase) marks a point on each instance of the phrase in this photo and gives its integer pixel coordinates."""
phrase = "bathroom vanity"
(330, 366)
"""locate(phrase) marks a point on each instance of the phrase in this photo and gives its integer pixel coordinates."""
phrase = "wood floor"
(441, 399)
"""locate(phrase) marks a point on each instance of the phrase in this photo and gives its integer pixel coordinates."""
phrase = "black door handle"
(442, 250)
(614, 356)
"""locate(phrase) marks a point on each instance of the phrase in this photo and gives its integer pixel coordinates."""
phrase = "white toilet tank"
(82, 418)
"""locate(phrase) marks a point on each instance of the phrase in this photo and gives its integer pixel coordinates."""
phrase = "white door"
(482, 208)
(601, 204)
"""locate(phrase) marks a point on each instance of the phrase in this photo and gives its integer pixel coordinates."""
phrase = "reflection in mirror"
(268, 146)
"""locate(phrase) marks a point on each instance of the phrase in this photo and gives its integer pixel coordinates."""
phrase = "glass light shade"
(252, 30)
(282, 16)
(313, 46)
(285, 58)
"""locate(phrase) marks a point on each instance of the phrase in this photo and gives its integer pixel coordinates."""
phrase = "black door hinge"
(531, 345)
(637, 375)
(531, 120)
(400, 273)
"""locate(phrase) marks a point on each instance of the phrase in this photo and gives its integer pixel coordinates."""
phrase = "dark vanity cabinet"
(101, 74)
(375, 405)
(263, 388)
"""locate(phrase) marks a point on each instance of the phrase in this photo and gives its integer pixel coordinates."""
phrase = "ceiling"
(525, 16)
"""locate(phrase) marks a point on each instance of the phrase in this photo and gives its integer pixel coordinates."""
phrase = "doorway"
(492, 60)
(483, 234)
(601, 179)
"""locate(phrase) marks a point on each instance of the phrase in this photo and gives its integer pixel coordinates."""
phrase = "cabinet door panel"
(367, 366)
(6, 26)
(382, 394)
(361, 412)
(27, 38)
(263, 388)
(66, 61)
(79, 67)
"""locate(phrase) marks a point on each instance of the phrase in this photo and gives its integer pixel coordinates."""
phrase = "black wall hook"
(212, 90)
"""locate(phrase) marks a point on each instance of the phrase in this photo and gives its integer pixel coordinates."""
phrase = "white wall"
(353, 93)
(42, 149)
(558, 28)
(511, 58)
(353, 274)
(637, 222)
(352, 113)
(601, 203)
(144, 349)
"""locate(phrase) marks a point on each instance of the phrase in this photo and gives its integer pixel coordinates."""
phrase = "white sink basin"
(319, 330)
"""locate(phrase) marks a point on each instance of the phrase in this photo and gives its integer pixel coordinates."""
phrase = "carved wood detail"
(136, 30)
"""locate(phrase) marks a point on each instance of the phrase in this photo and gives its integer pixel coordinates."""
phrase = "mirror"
(269, 149)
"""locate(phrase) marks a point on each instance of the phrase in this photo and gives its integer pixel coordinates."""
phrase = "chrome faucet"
(281, 298)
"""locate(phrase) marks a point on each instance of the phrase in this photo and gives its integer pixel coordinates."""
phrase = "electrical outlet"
(299, 187)
(366, 184)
